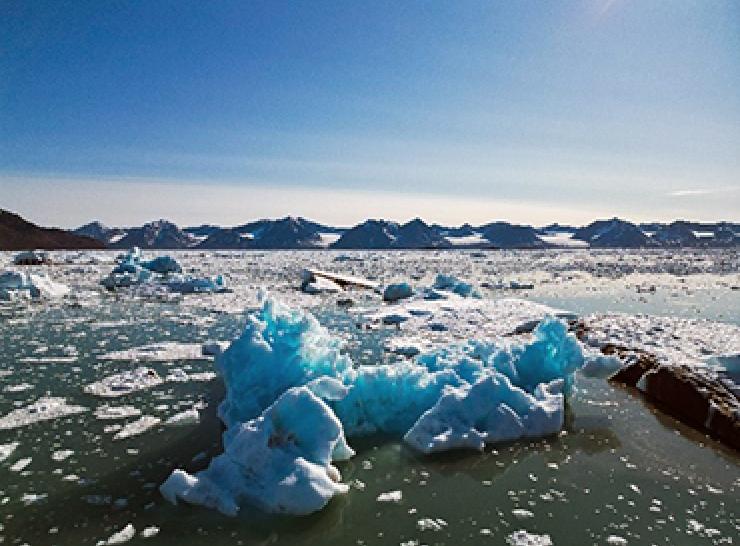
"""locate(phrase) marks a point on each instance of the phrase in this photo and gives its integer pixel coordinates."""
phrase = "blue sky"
(456, 111)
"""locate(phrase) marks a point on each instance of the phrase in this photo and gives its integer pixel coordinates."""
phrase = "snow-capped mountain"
(382, 234)
(300, 233)
(158, 234)
(614, 233)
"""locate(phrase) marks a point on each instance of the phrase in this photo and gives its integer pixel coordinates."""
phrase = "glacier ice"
(280, 461)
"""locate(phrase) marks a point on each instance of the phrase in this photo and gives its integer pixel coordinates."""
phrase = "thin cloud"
(698, 191)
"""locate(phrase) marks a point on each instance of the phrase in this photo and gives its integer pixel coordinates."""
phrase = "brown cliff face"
(690, 394)
(19, 234)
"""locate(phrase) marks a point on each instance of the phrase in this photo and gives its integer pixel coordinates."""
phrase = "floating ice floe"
(523, 538)
(120, 537)
(184, 418)
(44, 409)
(124, 383)
(106, 412)
(140, 426)
(15, 285)
(278, 462)
(165, 351)
(287, 371)
(6, 450)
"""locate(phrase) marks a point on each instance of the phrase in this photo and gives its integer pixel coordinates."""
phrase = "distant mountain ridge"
(299, 233)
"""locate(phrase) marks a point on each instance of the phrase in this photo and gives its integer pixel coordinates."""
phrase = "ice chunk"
(160, 352)
(116, 412)
(492, 410)
(455, 285)
(6, 450)
(124, 383)
(184, 418)
(163, 264)
(62, 454)
(149, 532)
(140, 426)
(280, 461)
(398, 291)
(523, 538)
(15, 285)
(280, 348)
(21, 464)
(122, 536)
(598, 365)
(390, 496)
(44, 409)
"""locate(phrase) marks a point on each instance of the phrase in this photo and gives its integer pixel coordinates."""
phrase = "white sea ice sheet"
(43, 409)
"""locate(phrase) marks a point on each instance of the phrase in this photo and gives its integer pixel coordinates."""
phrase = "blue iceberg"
(287, 373)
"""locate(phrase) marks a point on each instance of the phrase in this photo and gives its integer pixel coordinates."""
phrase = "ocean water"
(619, 469)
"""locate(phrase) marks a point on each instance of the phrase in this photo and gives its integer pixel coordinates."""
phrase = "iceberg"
(280, 461)
(163, 271)
(489, 411)
(292, 397)
(398, 291)
(15, 285)
(451, 283)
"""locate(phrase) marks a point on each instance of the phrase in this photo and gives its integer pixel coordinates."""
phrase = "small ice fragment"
(184, 418)
(523, 538)
(429, 524)
(520, 513)
(6, 450)
(390, 496)
(137, 427)
(21, 464)
(149, 532)
(614, 540)
(124, 535)
(61, 454)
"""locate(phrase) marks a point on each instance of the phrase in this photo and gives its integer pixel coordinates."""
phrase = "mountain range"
(299, 233)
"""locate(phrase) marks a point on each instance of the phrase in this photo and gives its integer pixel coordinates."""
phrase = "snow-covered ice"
(43, 409)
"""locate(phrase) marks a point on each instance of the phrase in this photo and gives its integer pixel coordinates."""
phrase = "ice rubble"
(15, 285)
(291, 393)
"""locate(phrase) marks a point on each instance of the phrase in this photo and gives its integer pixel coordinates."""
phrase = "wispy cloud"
(701, 191)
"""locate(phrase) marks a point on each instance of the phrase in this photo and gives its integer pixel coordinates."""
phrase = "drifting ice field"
(104, 394)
